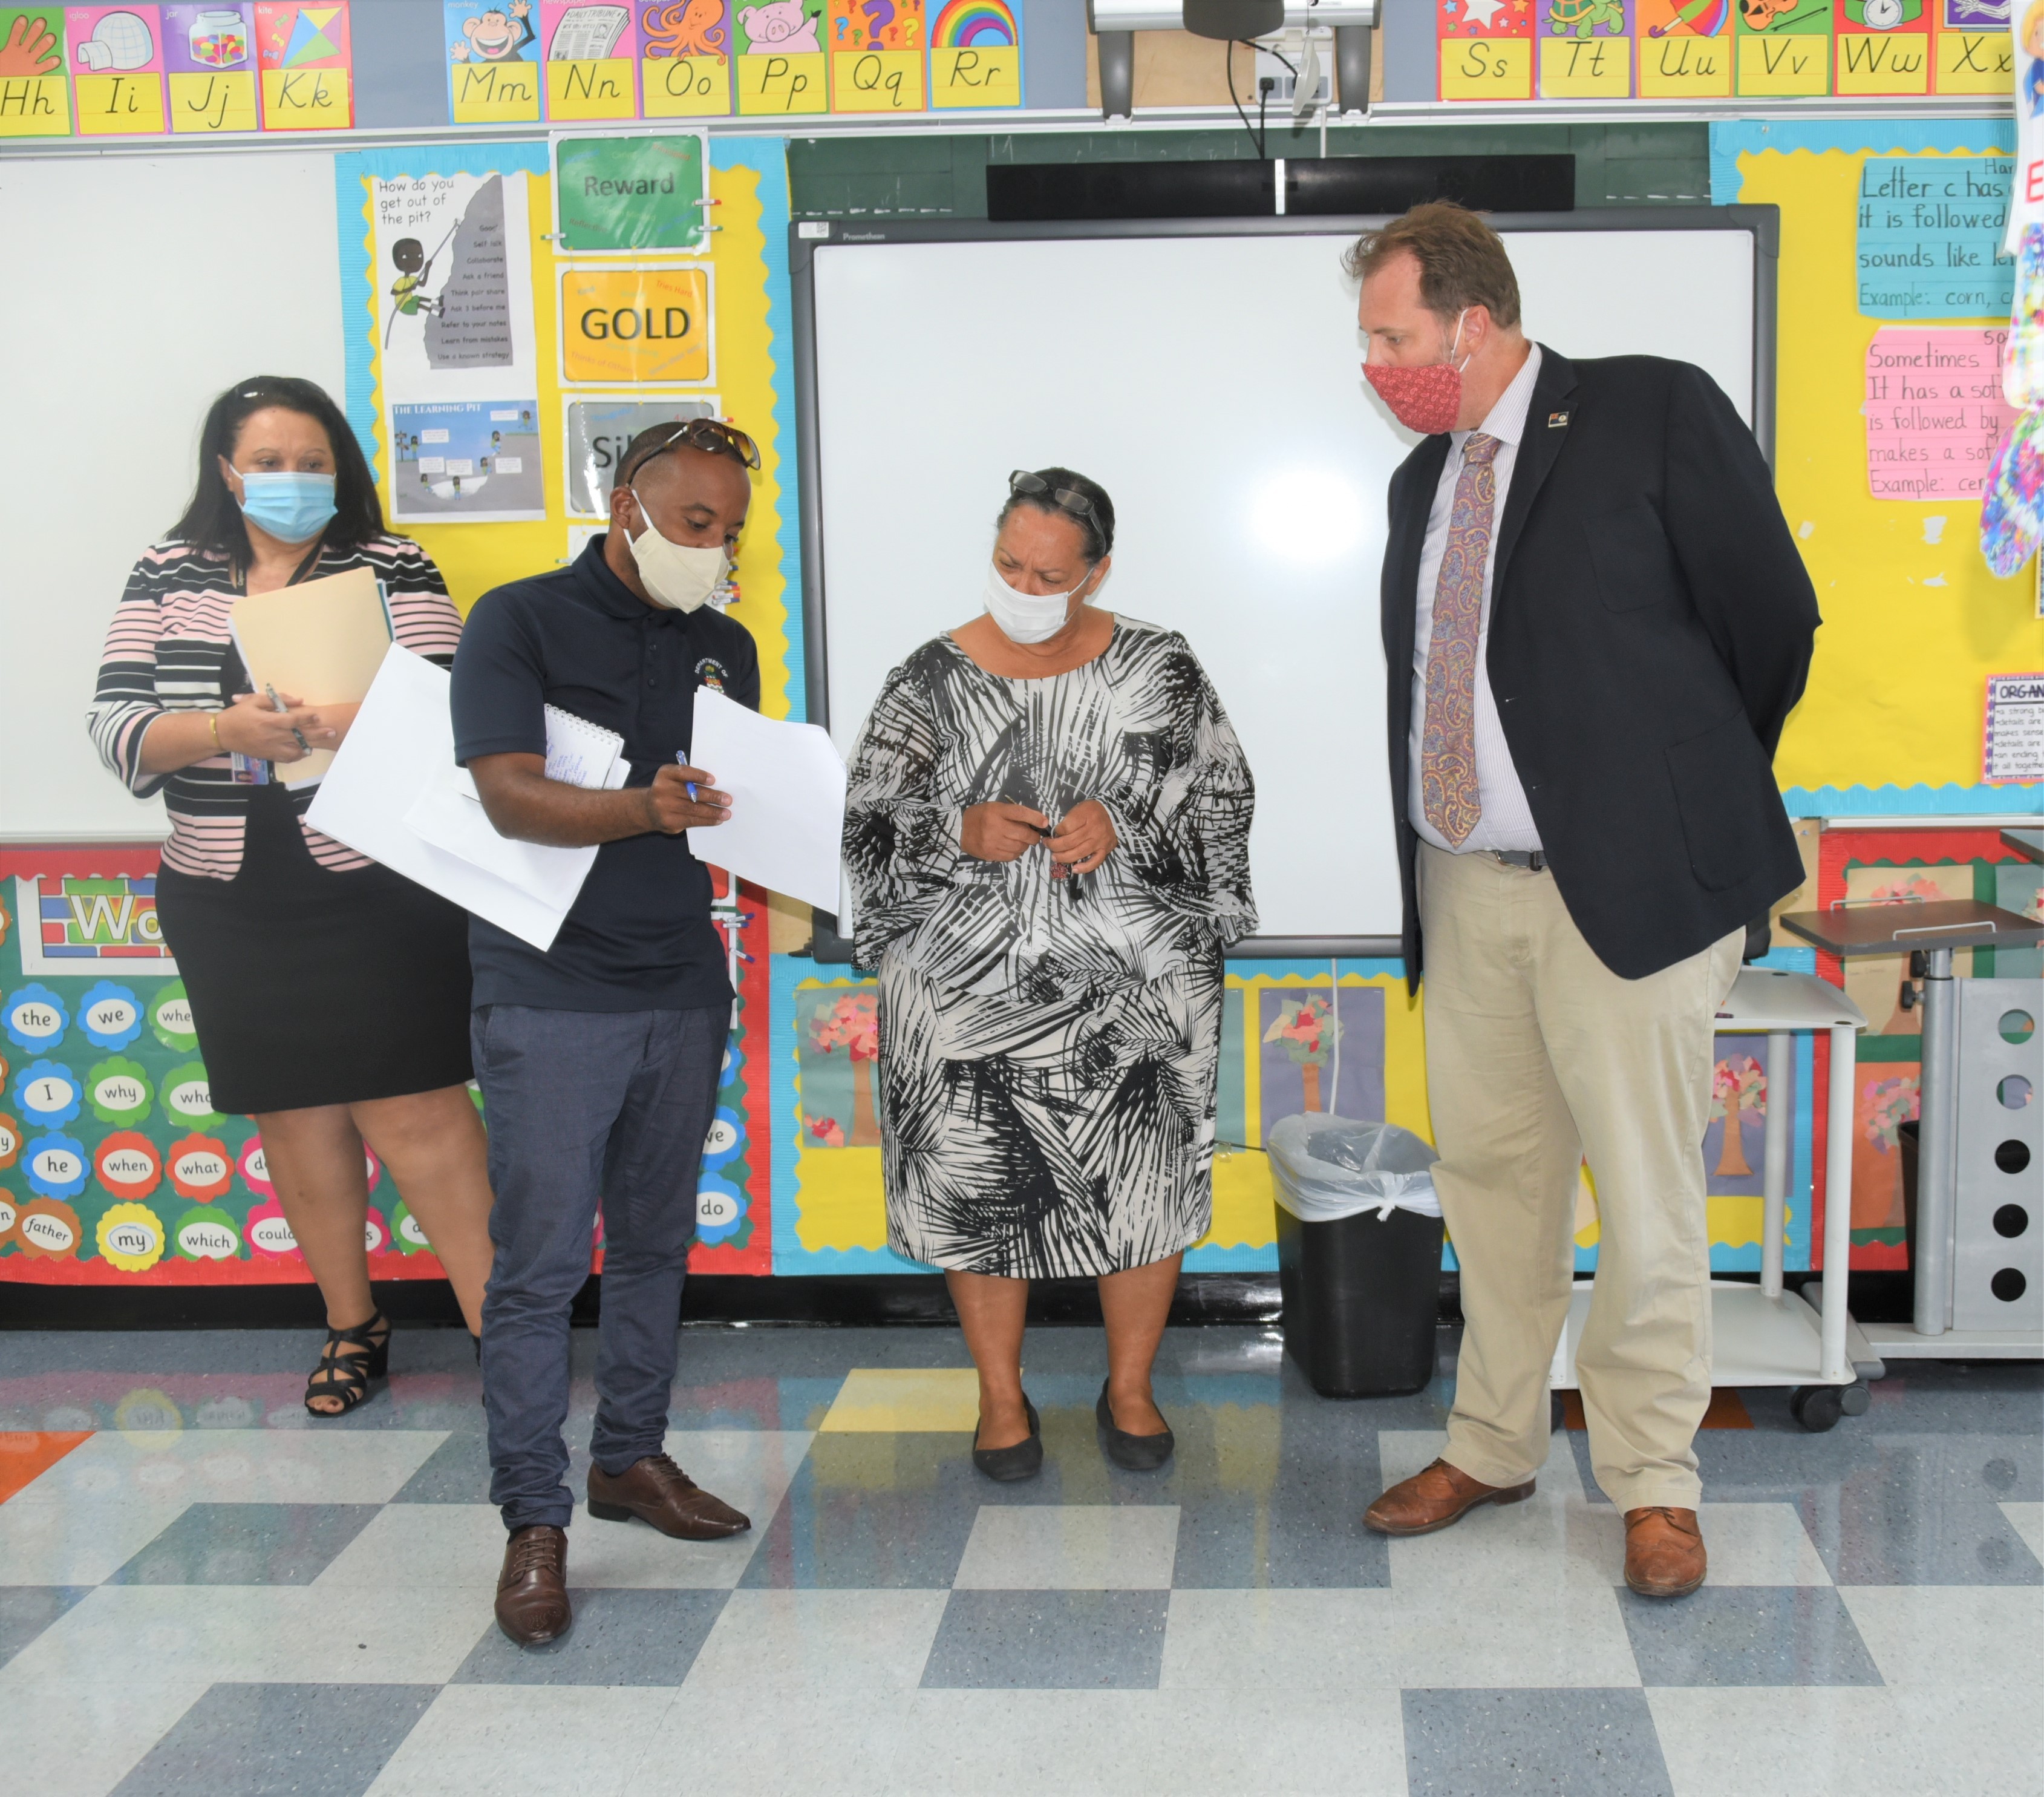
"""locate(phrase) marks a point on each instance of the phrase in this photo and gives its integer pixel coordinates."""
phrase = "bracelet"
(213, 724)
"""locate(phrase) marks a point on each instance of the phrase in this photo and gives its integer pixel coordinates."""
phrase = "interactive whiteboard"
(1206, 373)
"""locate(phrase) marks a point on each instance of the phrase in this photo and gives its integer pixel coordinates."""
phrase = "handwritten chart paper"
(2015, 748)
(1934, 410)
(1930, 237)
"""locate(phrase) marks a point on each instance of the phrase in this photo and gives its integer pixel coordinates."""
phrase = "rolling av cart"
(1765, 1334)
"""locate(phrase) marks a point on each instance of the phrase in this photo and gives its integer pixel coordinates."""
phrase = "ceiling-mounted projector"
(1230, 20)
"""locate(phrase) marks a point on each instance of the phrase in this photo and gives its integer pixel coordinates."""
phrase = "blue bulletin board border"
(1733, 139)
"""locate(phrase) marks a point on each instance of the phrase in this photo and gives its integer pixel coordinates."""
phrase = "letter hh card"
(1974, 52)
(209, 50)
(1783, 47)
(1686, 49)
(492, 52)
(1585, 49)
(1486, 49)
(781, 65)
(117, 62)
(305, 57)
(975, 54)
(1883, 47)
(625, 327)
(35, 97)
(591, 54)
(685, 58)
(876, 49)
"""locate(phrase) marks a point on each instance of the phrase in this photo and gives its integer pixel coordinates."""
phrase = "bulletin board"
(1888, 240)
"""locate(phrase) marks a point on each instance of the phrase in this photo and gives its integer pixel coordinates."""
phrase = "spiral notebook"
(579, 752)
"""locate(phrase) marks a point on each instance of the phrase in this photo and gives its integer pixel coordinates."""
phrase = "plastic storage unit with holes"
(1764, 1334)
(1978, 1292)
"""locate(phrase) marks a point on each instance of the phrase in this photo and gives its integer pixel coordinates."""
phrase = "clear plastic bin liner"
(1329, 1168)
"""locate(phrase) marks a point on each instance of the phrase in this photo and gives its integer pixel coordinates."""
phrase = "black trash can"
(1361, 1293)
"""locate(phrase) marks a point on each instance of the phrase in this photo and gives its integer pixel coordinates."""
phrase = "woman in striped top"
(330, 995)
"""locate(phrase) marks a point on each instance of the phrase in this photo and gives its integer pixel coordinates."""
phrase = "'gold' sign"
(627, 325)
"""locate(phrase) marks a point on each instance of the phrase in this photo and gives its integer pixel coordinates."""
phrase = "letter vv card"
(615, 196)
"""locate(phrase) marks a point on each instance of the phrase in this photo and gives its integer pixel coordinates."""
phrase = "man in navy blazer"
(1596, 624)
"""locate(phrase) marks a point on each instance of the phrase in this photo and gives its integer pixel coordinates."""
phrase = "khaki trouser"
(1538, 1056)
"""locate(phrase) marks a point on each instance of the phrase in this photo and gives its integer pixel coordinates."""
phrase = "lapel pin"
(1557, 420)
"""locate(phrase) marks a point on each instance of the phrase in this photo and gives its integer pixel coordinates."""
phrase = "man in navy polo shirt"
(599, 1058)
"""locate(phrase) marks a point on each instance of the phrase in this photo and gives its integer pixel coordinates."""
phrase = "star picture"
(1482, 13)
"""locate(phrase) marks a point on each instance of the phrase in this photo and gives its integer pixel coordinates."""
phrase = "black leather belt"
(1532, 859)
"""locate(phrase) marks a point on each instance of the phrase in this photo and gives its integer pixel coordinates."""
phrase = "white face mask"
(678, 575)
(1026, 617)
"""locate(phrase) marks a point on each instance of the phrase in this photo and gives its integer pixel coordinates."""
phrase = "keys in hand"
(670, 810)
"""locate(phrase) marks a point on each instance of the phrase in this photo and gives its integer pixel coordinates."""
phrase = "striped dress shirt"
(168, 649)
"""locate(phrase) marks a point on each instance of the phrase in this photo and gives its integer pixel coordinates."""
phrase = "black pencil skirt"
(309, 988)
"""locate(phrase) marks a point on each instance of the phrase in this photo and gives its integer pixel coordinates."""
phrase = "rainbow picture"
(982, 25)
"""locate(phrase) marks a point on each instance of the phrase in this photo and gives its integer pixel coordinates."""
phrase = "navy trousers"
(586, 1107)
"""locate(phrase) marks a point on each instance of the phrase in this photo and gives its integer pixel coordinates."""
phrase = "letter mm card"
(492, 58)
(632, 196)
(1486, 49)
(643, 326)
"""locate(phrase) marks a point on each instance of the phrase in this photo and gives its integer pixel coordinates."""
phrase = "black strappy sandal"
(349, 1376)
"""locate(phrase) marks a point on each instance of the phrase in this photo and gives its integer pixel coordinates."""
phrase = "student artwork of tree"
(1303, 1028)
(1737, 1086)
(852, 1023)
(1888, 1104)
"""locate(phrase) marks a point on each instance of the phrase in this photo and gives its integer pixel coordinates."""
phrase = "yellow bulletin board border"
(1891, 723)
(750, 315)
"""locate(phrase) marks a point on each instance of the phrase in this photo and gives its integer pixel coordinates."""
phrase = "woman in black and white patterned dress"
(1047, 831)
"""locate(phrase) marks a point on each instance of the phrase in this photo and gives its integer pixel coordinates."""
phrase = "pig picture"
(781, 27)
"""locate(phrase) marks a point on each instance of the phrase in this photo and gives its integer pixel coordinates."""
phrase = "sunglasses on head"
(1033, 486)
(712, 434)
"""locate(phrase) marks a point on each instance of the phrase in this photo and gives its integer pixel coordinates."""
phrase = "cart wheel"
(1557, 1412)
(1854, 1399)
(1817, 1407)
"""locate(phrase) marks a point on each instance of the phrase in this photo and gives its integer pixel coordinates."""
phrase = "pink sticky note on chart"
(1934, 410)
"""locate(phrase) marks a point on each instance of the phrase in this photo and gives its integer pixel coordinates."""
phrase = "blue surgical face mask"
(292, 507)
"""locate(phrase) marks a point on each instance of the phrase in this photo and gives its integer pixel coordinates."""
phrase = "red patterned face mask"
(1427, 398)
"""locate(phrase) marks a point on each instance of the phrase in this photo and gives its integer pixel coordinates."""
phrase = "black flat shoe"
(1132, 1454)
(1024, 1460)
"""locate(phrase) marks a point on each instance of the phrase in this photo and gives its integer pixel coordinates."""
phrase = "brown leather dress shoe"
(1432, 1499)
(658, 1491)
(1664, 1551)
(532, 1589)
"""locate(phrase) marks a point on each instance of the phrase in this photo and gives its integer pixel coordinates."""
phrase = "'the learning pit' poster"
(454, 284)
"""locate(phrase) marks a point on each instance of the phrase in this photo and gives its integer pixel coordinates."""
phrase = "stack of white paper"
(786, 783)
(395, 795)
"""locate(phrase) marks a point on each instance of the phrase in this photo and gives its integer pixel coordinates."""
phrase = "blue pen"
(682, 761)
